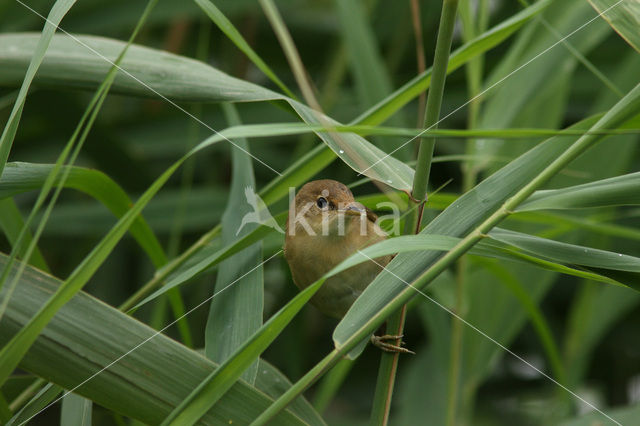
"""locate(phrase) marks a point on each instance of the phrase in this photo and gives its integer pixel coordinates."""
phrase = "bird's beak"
(355, 209)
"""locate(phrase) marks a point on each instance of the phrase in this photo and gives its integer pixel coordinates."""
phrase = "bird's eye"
(322, 203)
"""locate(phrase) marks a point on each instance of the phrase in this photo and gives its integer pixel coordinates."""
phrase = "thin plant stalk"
(470, 27)
(389, 362)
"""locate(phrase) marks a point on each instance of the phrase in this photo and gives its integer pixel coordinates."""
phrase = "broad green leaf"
(22, 177)
(623, 16)
(180, 79)
(410, 90)
(58, 11)
(567, 253)
(76, 411)
(80, 349)
(210, 390)
(236, 312)
(615, 191)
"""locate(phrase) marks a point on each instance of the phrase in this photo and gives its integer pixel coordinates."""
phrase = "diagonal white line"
(151, 89)
(152, 336)
(493, 340)
(496, 83)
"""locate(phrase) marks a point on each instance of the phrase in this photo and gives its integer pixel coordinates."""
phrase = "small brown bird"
(325, 226)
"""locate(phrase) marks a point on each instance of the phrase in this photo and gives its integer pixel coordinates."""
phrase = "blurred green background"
(357, 52)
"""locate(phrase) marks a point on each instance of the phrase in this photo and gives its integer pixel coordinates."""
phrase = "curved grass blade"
(567, 253)
(58, 11)
(234, 35)
(623, 16)
(22, 177)
(615, 191)
(11, 223)
(424, 243)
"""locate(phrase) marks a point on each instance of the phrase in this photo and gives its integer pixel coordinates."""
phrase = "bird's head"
(326, 206)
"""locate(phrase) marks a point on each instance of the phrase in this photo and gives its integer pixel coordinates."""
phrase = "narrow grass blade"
(58, 11)
(37, 403)
(210, 390)
(236, 313)
(410, 90)
(181, 275)
(22, 177)
(535, 314)
(567, 253)
(615, 191)
(234, 35)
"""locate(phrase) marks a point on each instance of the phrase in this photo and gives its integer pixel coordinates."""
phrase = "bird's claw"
(381, 342)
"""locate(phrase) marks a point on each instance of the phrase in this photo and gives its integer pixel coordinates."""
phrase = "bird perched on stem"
(326, 225)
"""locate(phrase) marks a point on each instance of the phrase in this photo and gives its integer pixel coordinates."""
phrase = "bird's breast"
(312, 256)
